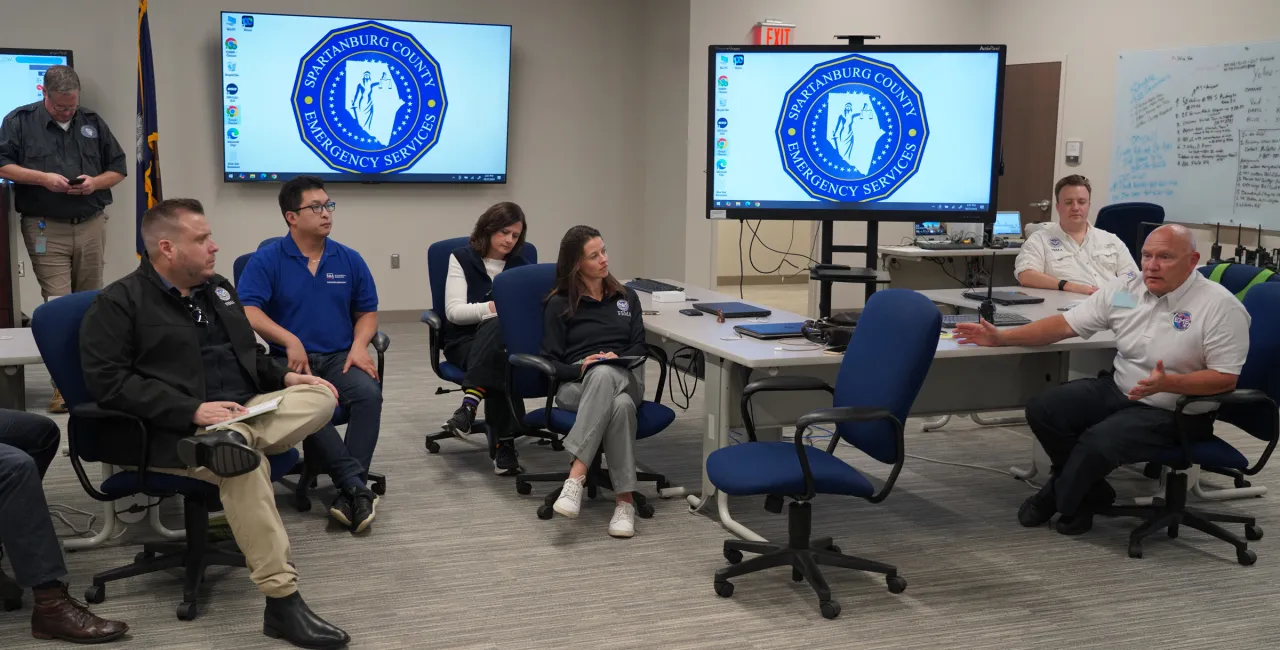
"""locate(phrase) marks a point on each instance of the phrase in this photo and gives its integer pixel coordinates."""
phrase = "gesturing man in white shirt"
(1177, 333)
(1072, 255)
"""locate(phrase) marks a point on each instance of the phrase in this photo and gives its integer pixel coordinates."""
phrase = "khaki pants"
(73, 255)
(249, 500)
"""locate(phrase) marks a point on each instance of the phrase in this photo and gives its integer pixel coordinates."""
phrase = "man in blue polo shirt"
(314, 301)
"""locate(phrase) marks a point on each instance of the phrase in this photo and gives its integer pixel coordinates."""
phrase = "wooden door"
(1030, 133)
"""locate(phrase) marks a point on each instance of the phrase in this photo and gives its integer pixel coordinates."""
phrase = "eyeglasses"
(196, 313)
(317, 209)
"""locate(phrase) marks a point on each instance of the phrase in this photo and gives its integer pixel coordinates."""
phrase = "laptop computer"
(1008, 226)
(1004, 297)
(732, 309)
(771, 331)
(931, 231)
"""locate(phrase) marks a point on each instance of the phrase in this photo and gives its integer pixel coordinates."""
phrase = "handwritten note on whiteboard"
(1197, 130)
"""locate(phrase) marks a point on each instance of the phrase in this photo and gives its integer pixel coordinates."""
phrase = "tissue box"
(668, 296)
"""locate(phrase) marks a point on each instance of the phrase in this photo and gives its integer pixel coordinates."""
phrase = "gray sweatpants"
(605, 401)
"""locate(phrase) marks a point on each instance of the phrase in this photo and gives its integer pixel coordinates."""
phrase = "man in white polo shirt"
(1071, 255)
(1177, 333)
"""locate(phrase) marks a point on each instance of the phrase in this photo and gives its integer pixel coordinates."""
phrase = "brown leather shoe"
(56, 403)
(57, 615)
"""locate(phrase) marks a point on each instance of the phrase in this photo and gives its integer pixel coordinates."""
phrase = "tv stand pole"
(871, 248)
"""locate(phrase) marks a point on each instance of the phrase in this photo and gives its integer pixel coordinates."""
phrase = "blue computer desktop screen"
(22, 77)
(892, 129)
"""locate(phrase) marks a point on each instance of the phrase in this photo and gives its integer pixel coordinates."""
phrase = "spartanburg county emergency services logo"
(1181, 320)
(852, 129)
(369, 99)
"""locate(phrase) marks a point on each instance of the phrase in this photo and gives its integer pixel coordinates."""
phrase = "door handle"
(1042, 204)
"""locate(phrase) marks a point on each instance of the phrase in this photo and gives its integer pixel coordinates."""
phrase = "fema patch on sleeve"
(1181, 320)
(852, 129)
(88, 131)
(369, 99)
(222, 294)
(1131, 275)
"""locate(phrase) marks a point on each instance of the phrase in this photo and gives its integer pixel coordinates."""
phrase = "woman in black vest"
(589, 317)
(472, 337)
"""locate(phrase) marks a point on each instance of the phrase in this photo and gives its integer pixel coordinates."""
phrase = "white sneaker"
(623, 523)
(570, 501)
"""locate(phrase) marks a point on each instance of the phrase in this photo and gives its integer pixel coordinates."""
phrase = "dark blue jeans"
(28, 444)
(361, 397)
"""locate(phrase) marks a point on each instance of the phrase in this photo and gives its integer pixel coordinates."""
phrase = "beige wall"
(1088, 34)
(575, 111)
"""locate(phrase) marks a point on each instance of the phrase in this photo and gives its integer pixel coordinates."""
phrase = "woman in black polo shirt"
(590, 316)
(472, 337)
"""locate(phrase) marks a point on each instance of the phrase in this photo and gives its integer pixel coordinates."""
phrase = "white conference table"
(912, 267)
(17, 349)
(1009, 376)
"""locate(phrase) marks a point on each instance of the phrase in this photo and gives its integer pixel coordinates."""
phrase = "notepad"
(252, 411)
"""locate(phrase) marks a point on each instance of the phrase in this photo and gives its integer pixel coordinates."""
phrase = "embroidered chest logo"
(1181, 320)
(624, 308)
(335, 278)
(223, 295)
(1055, 242)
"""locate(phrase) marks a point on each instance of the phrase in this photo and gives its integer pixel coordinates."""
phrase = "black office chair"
(1129, 222)
(307, 473)
(1251, 407)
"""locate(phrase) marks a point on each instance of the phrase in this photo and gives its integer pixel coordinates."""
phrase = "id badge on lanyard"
(42, 244)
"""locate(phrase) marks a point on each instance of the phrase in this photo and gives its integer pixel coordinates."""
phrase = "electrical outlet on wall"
(22, 268)
(395, 260)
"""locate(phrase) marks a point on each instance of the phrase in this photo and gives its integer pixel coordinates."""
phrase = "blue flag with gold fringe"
(148, 173)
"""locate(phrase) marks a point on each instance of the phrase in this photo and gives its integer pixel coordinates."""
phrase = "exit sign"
(772, 33)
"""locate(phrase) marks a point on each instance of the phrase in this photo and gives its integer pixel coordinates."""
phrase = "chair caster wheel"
(433, 447)
(662, 485)
(1253, 532)
(186, 611)
(12, 604)
(379, 487)
(545, 512)
(1151, 471)
(95, 594)
(1135, 550)
(830, 608)
(523, 487)
(644, 511)
(1246, 557)
(733, 556)
(796, 576)
(896, 584)
(556, 445)
(1241, 483)
(1173, 531)
(143, 557)
(302, 504)
(724, 589)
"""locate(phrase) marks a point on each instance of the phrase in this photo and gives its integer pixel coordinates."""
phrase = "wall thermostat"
(1074, 148)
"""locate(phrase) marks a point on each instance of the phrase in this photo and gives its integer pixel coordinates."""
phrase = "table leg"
(13, 388)
(936, 423)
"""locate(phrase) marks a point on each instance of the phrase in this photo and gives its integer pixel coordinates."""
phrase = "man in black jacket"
(170, 344)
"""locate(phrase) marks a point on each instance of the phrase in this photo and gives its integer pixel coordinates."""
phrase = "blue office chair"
(96, 434)
(883, 369)
(438, 255)
(308, 474)
(519, 294)
(1238, 278)
(1252, 408)
(1125, 220)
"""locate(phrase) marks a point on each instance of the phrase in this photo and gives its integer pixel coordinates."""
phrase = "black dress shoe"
(290, 619)
(1039, 508)
(223, 452)
(1079, 523)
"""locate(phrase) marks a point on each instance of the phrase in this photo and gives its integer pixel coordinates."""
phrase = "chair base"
(193, 557)
(308, 479)
(597, 478)
(1170, 513)
(804, 556)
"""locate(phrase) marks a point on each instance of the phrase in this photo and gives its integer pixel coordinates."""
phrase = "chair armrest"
(533, 362)
(92, 412)
(381, 342)
(837, 415)
(658, 354)
(432, 320)
(1239, 397)
(772, 384)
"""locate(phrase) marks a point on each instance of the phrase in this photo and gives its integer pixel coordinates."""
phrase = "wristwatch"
(1061, 284)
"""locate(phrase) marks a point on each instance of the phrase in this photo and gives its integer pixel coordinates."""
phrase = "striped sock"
(472, 397)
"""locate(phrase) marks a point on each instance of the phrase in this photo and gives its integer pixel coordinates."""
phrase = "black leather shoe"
(1039, 508)
(1077, 524)
(1100, 495)
(290, 619)
(223, 452)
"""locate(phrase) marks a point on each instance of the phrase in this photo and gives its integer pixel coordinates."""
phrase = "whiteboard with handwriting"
(1197, 131)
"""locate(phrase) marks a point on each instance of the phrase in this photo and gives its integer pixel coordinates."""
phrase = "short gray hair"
(61, 79)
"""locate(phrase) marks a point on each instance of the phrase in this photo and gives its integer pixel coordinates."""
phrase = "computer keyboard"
(649, 286)
(948, 246)
(1002, 319)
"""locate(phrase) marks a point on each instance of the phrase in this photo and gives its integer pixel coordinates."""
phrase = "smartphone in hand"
(75, 181)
